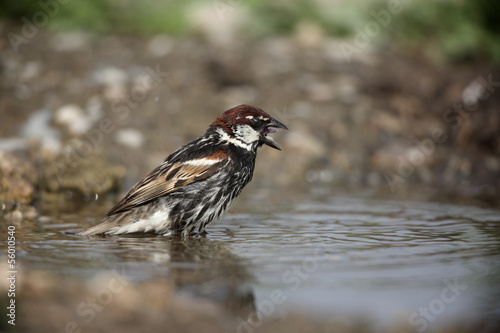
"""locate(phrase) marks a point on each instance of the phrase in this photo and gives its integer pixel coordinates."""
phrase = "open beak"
(269, 129)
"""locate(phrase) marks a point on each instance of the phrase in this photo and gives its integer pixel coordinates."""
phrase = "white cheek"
(247, 133)
(235, 141)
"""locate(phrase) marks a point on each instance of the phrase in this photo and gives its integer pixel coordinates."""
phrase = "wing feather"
(169, 177)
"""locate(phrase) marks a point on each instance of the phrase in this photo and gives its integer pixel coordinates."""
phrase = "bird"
(198, 182)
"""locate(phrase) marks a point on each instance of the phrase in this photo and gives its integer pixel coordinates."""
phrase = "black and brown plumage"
(197, 183)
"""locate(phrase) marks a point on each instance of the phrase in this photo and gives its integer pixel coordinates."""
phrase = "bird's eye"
(256, 121)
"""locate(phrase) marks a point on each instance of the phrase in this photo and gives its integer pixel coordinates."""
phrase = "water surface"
(422, 263)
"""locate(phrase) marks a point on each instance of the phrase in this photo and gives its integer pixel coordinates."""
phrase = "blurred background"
(386, 95)
(394, 97)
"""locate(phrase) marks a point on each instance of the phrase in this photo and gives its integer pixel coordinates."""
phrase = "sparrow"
(198, 182)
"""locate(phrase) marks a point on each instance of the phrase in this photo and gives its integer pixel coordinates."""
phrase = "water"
(329, 255)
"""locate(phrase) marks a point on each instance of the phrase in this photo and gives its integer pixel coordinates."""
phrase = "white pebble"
(129, 137)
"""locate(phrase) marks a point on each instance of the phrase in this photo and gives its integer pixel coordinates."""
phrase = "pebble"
(94, 108)
(14, 216)
(30, 71)
(38, 127)
(303, 141)
(18, 179)
(309, 35)
(70, 41)
(73, 117)
(129, 137)
(13, 144)
(473, 93)
(320, 92)
(114, 80)
(160, 45)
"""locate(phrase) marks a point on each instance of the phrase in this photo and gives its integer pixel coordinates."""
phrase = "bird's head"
(247, 126)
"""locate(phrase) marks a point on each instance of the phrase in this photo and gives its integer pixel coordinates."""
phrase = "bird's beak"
(268, 129)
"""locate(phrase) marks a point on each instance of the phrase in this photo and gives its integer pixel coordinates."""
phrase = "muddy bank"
(85, 111)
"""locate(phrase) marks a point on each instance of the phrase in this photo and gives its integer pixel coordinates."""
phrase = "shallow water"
(422, 263)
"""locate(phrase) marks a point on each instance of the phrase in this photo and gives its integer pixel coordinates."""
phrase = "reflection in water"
(199, 267)
(397, 253)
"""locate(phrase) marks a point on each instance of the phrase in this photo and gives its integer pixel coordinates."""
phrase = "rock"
(320, 92)
(76, 120)
(18, 179)
(13, 144)
(129, 137)
(19, 213)
(82, 170)
(30, 71)
(73, 118)
(114, 80)
(345, 51)
(304, 143)
(94, 108)
(70, 41)
(160, 45)
(14, 216)
(387, 121)
(38, 127)
(309, 35)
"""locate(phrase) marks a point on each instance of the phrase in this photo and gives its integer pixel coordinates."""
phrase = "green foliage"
(281, 17)
(147, 16)
(16, 9)
(151, 17)
(95, 15)
(457, 29)
(460, 30)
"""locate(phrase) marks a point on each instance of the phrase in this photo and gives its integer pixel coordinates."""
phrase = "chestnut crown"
(247, 126)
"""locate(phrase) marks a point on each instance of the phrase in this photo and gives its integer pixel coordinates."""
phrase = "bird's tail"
(100, 229)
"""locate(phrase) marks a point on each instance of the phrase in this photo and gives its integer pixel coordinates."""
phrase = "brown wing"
(169, 177)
